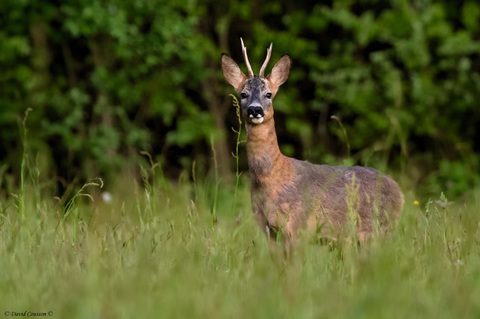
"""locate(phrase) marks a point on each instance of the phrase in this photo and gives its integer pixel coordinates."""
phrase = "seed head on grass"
(344, 132)
(98, 182)
(236, 104)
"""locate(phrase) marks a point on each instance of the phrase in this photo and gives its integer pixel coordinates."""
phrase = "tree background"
(106, 80)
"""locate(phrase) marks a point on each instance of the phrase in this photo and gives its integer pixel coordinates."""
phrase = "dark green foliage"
(106, 79)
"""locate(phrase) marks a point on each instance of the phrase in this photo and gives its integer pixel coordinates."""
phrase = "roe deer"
(289, 194)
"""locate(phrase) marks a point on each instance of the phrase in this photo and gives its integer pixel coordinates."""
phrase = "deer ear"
(280, 71)
(232, 72)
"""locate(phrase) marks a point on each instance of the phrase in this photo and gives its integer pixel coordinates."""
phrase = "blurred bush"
(106, 79)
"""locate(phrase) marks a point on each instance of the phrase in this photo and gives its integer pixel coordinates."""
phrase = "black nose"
(255, 112)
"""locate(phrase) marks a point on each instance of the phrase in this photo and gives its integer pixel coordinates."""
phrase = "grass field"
(193, 250)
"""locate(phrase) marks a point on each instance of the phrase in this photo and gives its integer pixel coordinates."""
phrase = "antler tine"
(264, 66)
(245, 56)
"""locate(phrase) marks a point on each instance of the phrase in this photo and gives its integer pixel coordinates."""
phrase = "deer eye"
(243, 95)
(268, 95)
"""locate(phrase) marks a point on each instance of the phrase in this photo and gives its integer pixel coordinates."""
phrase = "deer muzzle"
(255, 113)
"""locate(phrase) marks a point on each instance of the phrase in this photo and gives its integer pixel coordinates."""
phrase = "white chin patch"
(257, 120)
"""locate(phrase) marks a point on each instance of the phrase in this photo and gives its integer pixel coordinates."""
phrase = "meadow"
(157, 249)
(388, 84)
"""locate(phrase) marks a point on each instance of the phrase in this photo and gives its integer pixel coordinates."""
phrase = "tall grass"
(21, 196)
(144, 256)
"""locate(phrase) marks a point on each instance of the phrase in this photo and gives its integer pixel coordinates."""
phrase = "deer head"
(256, 92)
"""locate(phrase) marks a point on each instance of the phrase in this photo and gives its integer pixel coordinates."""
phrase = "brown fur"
(289, 194)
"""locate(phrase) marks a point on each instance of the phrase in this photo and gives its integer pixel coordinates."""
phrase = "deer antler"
(245, 56)
(264, 66)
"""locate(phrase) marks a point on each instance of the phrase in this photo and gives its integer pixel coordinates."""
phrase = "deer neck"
(264, 156)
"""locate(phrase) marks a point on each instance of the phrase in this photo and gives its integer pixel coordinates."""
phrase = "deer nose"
(255, 112)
